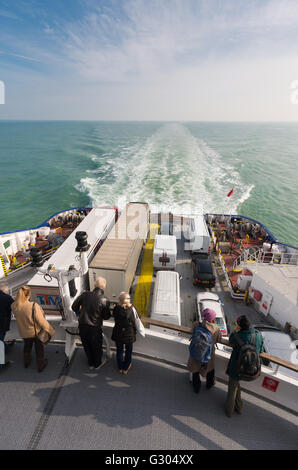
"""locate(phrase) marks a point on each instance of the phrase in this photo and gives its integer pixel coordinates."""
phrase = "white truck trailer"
(166, 301)
(197, 236)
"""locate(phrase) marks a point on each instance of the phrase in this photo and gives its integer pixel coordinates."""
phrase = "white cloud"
(170, 60)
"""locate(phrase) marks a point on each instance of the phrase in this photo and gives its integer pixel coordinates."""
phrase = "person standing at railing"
(5, 316)
(92, 307)
(31, 320)
(243, 335)
(124, 331)
(197, 368)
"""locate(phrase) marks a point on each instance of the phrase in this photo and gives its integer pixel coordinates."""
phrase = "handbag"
(43, 336)
(139, 325)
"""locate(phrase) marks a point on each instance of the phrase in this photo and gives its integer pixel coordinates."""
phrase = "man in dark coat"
(93, 308)
(5, 315)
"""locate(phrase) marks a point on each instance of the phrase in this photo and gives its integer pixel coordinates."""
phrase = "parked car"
(279, 344)
(203, 271)
(210, 300)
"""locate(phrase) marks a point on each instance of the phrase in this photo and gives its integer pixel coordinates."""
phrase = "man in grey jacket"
(93, 308)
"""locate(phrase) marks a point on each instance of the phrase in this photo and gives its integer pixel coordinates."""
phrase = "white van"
(197, 236)
(166, 301)
(164, 252)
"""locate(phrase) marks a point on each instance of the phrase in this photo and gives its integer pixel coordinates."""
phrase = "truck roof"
(114, 254)
(166, 297)
(168, 242)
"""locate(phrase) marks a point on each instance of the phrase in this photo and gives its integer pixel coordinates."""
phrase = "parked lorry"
(118, 258)
(166, 301)
(197, 237)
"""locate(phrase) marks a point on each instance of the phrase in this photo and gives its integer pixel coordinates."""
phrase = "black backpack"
(248, 363)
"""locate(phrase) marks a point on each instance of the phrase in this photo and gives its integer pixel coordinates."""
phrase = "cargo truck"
(166, 301)
(118, 258)
(197, 237)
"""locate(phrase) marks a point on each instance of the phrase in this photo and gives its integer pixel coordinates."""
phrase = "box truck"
(166, 301)
(197, 237)
(118, 258)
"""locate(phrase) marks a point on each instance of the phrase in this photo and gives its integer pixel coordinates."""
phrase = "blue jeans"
(124, 364)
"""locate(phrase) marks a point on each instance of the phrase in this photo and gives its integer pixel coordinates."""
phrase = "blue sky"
(182, 60)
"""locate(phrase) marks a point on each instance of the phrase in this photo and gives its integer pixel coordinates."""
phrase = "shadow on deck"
(152, 408)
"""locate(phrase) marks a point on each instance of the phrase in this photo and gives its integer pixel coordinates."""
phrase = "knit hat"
(208, 314)
(243, 322)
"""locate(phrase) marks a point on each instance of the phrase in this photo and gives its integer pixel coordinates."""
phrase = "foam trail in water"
(172, 170)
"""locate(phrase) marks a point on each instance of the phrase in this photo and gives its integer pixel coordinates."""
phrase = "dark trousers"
(196, 380)
(91, 337)
(39, 351)
(233, 400)
(124, 364)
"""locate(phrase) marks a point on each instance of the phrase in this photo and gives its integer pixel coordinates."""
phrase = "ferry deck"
(152, 408)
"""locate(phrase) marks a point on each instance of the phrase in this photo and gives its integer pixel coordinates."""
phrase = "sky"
(161, 60)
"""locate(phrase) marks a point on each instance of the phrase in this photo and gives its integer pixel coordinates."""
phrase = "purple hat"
(208, 314)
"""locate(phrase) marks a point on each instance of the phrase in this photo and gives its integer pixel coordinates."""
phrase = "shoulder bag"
(43, 336)
(139, 325)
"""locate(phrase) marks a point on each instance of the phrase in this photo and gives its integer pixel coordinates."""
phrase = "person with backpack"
(201, 360)
(244, 363)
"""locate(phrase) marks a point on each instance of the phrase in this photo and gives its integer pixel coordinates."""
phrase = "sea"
(183, 167)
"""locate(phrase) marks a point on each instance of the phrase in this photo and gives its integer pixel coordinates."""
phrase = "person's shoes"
(27, 360)
(196, 389)
(43, 366)
(100, 365)
(208, 386)
(126, 371)
(238, 411)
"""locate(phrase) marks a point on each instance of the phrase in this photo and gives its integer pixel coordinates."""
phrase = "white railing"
(175, 349)
(265, 257)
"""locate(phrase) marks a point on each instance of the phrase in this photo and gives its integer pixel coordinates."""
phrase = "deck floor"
(151, 408)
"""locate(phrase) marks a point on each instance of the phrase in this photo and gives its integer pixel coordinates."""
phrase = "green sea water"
(179, 166)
